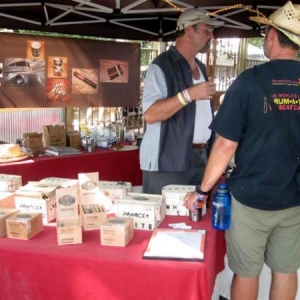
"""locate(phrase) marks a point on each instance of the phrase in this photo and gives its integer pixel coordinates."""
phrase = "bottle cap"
(222, 188)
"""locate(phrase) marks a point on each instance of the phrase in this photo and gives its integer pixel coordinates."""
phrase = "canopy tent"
(149, 20)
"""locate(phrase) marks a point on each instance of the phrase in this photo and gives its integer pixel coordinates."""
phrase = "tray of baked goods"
(12, 153)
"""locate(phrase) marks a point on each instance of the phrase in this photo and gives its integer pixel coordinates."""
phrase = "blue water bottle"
(221, 208)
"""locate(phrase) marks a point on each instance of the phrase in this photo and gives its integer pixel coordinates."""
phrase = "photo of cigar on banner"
(84, 81)
(58, 90)
(113, 71)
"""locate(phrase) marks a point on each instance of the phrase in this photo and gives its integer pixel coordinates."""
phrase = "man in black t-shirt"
(265, 222)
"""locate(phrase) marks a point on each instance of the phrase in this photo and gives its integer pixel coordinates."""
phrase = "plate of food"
(12, 153)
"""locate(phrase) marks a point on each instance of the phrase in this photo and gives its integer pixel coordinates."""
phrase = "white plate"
(127, 148)
(15, 159)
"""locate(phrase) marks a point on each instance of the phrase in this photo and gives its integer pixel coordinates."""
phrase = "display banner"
(41, 71)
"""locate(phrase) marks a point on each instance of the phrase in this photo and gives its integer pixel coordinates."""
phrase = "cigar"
(114, 72)
(86, 80)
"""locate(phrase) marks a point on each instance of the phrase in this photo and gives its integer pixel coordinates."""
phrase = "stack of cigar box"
(93, 208)
(68, 224)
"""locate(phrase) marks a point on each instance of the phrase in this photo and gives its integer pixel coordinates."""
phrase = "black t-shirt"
(265, 174)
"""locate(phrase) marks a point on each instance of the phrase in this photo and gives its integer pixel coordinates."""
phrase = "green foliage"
(257, 42)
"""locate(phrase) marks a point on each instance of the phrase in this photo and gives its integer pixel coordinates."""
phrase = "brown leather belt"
(200, 146)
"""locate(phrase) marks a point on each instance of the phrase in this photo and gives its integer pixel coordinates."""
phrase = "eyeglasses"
(208, 30)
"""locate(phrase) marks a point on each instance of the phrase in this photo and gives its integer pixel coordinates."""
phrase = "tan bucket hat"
(285, 19)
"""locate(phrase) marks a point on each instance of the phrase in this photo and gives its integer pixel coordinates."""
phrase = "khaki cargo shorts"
(258, 236)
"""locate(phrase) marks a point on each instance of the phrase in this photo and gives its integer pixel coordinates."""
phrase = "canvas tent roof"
(150, 20)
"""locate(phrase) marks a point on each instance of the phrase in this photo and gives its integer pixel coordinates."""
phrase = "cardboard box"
(4, 214)
(10, 183)
(7, 200)
(55, 135)
(37, 197)
(69, 231)
(173, 196)
(116, 231)
(92, 216)
(147, 210)
(34, 141)
(74, 139)
(24, 226)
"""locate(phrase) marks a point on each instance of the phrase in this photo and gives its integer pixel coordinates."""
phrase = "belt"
(200, 146)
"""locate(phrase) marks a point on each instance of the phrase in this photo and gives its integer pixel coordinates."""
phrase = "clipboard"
(176, 244)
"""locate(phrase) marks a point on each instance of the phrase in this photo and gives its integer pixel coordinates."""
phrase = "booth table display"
(112, 165)
(40, 269)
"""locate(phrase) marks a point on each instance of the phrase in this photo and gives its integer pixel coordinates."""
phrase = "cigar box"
(116, 231)
(37, 197)
(24, 225)
(88, 187)
(67, 201)
(4, 214)
(92, 216)
(60, 181)
(113, 191)
(68, 223)
(173, 196)
(147, 210)
(10, 183)
(7, 200)
(69, 231)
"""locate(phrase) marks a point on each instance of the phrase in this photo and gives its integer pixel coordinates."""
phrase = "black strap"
(278, 116)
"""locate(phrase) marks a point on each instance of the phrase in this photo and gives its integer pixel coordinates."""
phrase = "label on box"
(67, 202)
(173, 196)
(88, 187)
(148, 211)
(37, 198)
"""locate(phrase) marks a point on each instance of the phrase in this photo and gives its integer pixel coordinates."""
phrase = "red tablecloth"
(111, 165)
(39, 269)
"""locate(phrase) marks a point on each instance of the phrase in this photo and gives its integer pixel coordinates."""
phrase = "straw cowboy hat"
(286, 19)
